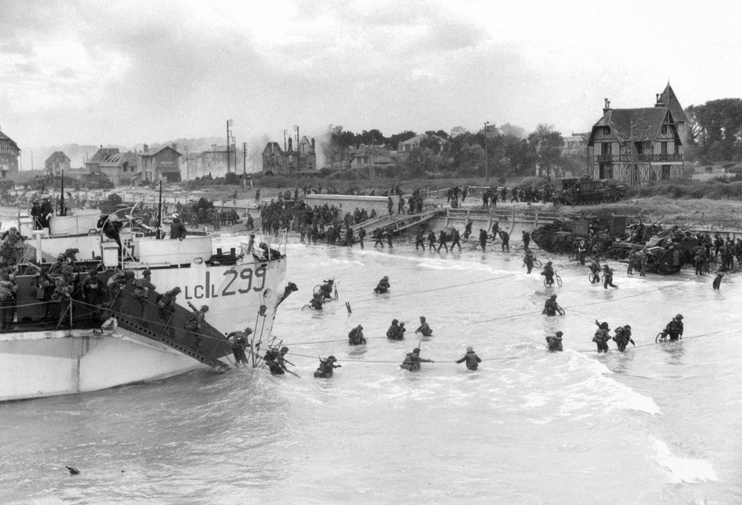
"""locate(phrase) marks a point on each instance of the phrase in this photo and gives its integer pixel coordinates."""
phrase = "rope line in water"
(585, 351)
(574, 307)
(413, 293)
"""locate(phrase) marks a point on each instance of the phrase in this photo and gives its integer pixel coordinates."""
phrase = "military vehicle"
(588, 191)
(667, 250)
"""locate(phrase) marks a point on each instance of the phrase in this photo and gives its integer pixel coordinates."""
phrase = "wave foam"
(614, 393)
(683, 469)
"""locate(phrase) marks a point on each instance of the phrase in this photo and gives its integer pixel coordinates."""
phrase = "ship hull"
(52, 362)
(39, 364)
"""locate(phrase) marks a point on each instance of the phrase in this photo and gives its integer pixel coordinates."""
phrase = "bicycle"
(661, 337)
(318, 288)
(557, 279)
(594, 278)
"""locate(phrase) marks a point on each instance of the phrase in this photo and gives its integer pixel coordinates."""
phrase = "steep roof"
(669, 99)
(57, 156)
(153, 153)
(639, 124)
(5, 137)
(305, 142)
(103, 153)
(118, 159)
(272, 147)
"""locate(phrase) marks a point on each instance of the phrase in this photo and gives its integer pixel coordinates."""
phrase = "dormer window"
(664, 129)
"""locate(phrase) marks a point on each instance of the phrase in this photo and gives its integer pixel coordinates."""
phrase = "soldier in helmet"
(239, 344)
(420, 240)
(326, 368)
(622, 337)
(395, 331)
(355, 337)
(36, 215)
(548, 272)
(424, 328)
(551, 308)
(602, 336)
(383, 285)
(471, 358)
(196, 323)
(554, 343)
(413, 360)
(674, 328)
(275, 360)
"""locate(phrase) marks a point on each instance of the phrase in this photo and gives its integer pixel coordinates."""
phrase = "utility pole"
(244, 158)
(486, 164)
(229, 141)
(285, 153)
(186, 153)
(298, 149)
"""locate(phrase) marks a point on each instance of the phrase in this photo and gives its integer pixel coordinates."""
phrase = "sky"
(133, 72)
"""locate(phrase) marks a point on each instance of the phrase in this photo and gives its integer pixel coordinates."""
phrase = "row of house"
(127, 168)
(629, 145)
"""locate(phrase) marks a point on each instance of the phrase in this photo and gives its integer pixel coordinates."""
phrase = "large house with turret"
(639, 145)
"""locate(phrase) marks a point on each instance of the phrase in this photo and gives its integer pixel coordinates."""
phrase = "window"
(665, 172)
(663, 147)
(664, 129)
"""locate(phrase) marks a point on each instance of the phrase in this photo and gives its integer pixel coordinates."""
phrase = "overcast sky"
(130, 72)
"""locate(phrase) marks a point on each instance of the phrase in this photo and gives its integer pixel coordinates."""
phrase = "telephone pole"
(244, 158)
(298, 151)
(230, 123)
(486, 164)
(285, 153)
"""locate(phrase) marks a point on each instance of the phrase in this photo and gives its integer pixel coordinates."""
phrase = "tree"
(470, 160)
(546, 143)
(371, 137)
(340, 143)
(716, 127)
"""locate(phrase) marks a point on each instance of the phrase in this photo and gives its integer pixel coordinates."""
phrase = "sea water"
(658, 424)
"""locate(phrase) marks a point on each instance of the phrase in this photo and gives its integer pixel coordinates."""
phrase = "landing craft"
(54, 344)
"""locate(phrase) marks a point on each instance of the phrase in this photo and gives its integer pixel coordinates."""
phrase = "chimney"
(607, 106)
(290, 139)
(145, 148)
(175, 146)
(312, 144)
(659, 101)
